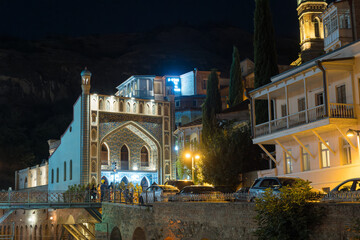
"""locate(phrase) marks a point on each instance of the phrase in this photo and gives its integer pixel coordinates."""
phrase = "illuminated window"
(124, 158)
(325, 155)
(346, 152)
(288, 162)
(340, 94)
(104, 154)
(305, 159)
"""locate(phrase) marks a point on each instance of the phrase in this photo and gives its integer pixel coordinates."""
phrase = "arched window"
(64, 171)
(115, 105)
(107, 105)
(148, 109)
(134, 107)
(141, 108)
(144, 183)
(121, 107)
(26, 182)
(124, 158)
(317, 27)
(104, 154)
(153, 109)
(125, 180)
(70, 170)
(101, 104)
(144, 157)
(128, 107)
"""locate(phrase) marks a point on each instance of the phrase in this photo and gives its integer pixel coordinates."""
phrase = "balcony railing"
(336, 110)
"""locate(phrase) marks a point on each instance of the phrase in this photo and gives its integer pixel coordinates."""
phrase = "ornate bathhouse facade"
(115, 138)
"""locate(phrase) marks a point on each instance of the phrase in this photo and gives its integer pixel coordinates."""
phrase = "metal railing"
(336, 110)
(342, 197)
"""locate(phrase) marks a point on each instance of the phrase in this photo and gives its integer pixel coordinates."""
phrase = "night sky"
(42, 18)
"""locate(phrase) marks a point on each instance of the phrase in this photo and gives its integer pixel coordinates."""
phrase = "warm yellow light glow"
(197, 157)
(188, 155)
(350, 133)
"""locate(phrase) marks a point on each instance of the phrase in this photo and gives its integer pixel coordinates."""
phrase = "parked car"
(225, 189)
(157, 193)
(350, 185)
(275, 183)
(197, 193)
(242, 194)
(180, 184)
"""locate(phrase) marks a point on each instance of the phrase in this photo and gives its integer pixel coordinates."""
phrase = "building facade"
(311, 107)
(115, 138)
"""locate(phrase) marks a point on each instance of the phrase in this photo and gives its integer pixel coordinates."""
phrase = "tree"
(229, 153)
(236, 88)
(264, 53)
(211, 106)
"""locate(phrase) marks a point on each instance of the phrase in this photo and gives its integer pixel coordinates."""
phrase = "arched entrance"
(139, 234)
(144, 183)
(124, 180)
(106, 181)
(124, 158)
(115, 234)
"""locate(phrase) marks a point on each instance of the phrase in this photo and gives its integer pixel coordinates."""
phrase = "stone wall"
(173, 221)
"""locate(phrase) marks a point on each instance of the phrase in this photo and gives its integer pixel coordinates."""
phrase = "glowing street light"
(197, 157)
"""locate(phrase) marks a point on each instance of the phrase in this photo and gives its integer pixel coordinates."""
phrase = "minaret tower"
(84, 128)
(311, 28)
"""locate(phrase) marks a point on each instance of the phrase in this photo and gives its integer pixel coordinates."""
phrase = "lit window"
(144, 157)
(325, 155)
(288, 162)
(346, 152)
(305, 159)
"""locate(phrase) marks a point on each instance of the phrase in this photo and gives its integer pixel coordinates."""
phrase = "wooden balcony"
(336, 110)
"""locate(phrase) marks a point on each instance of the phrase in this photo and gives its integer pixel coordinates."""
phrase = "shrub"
(288, 214)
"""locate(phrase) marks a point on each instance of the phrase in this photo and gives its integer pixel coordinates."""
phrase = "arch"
(139, 234)
(121, 107)
(141, 108)
(115, 234)
(317, 27)
(152, 142)
(104, 154)
(148, 110)
(128, 107)
(26, 181)
(101, 104)
(134, 107)
(93, 134)
(106, 181)
(153, 109)
(144, 183)
(93, 181)
(93, 166)
(115, 106)
(124, 158)
(107, 107)
(144, 157)
(124, 180)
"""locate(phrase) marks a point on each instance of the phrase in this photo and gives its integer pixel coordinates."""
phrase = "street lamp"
(197, 157)
(351, 133)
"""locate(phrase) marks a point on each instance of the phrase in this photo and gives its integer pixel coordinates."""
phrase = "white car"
(157, 193)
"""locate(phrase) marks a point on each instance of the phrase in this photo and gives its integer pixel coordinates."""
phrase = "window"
(57, 175)
(134, 107)
(141, 108)
(159, 110)
(319, 99)
(325, 155)
(64, 171)
(52, 175)
(157, 88)
(144, 157)
(316, 27)
(124, 158)
(70, 170)
(288, 163)
(204, 84)
(340, 94)
(177, 103)
(301, 104)
(283, 110)
(346, 152)
(121, 107)
(128, 107)
(104, 154)
(305, 159)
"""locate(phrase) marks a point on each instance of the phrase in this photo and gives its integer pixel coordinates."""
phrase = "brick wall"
(209, 221)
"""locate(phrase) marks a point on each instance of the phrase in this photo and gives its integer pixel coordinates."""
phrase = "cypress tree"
(211, 106)
(264, 53)
(236, 88)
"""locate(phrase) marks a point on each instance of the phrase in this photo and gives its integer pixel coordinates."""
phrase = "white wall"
(69, 149)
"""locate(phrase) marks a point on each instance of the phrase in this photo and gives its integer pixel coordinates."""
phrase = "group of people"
(105, 192)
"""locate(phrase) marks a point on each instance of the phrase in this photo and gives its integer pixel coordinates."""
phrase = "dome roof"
(85, 72)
